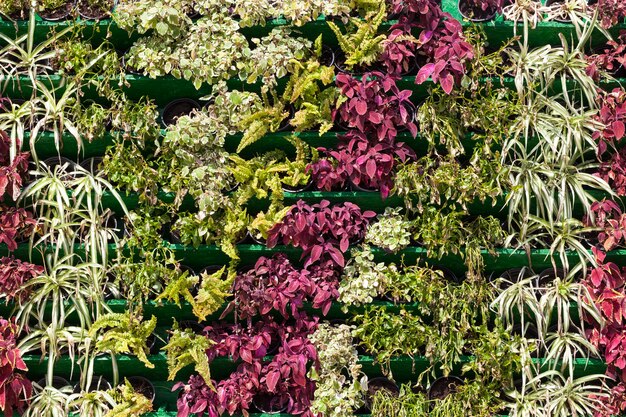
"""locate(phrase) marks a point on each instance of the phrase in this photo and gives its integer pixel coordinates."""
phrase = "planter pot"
(98, 383)
(529, 333)
(127, 68)
(476, 14)
(54, 161)
(356, 187)
(269, 404)
(88, 12)
(259, 240)
(515, 275)
(196, 327)
(355, 71)
(285, 124)
(328, 56)
(61, 13)
(547, 276)
(380, 383)
(57, 382)
(448, 274)
(92, 165)
(444, 386)
(298, 189)
(143, 386)
(560, 18)
(412, 110)
(176, 109)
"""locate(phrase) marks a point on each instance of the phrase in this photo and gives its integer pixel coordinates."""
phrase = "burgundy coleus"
(613, 171)
(14, 273)
(612, 115)
(321, 230)
(197, 398)
(15, 224)
(11, 172)
(375, 105)
(447, 52)
(236, 393)
(15, 389)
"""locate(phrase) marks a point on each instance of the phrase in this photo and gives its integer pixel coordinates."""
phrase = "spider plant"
(16, 120)
(562, 237)
(91, 404)
(49, 402)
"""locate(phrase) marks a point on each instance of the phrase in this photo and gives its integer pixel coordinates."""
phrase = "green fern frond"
(211, 295)
(187, 348)
(179, 287)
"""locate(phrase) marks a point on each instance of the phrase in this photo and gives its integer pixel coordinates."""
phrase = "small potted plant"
(56, 10)
(480, 10)
(15, 9)
(444, 386)
(95, 9)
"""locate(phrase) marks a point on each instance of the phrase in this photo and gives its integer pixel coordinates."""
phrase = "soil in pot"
(60, 13)
(380, 383)
(547, 276)
(444, 386)
(178, 108)
(476, 14)
(142, 386)
(514, 275)
(328, 56)
(269, 403)
(357, 187)
(96, 12)
(195, 327)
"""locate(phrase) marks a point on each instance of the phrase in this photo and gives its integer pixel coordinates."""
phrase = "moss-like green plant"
(361, 45)
(123, 333)
(186, 348)
(407, 404)
(11, 7)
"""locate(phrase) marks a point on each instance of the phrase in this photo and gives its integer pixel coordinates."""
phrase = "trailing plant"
(363, 279)
(391, 231)
(274, 56)
(340, 381)
(116, 333)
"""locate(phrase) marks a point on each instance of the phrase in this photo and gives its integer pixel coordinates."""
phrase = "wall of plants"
(320, 208)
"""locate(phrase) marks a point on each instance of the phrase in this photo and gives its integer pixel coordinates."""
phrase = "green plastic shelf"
(165, 89)
(205, 255)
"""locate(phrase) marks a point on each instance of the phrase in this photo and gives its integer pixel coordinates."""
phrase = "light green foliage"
(263, 121)
(153, 56)
(432, 180)
(165, 17)
(300, 12)
(9, 7)
(314, 104)
(212, 292)
(274, 56)
(211, 51)
(390, 231)
(340, 382)
(363, 279)
(361, 45)
(123, 333)
(49, 4)
(407, 404)
(453, 312)
(195, 162)
(186, 348)
(129, 403)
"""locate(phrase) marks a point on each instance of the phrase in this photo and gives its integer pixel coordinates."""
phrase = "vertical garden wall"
(323, 208)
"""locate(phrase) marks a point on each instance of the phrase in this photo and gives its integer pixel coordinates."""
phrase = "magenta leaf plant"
(323, 231)
(15, 388)
(14, 273)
